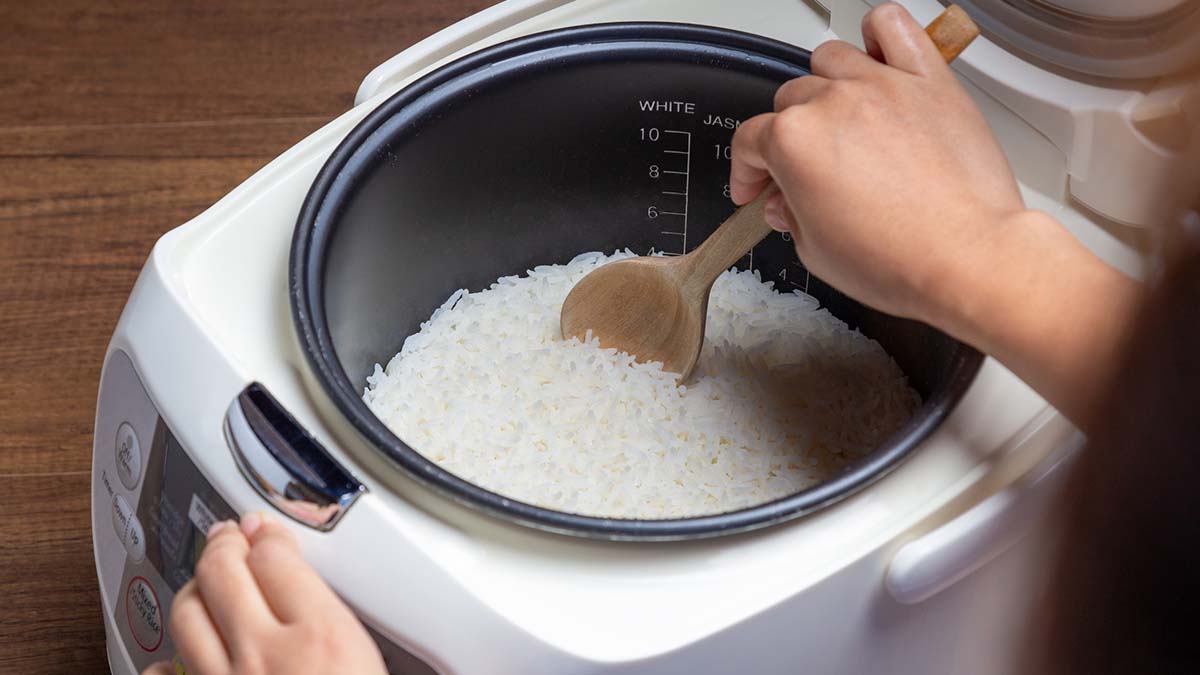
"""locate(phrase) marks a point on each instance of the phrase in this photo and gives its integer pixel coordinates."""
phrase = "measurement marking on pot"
(687, 179)
(807, 274)
(673, 213)
(679, 234)
(669, 192)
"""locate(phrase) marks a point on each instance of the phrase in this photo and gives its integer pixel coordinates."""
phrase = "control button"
(129, 456)
(144, 614)
(122, 514)
(135, 540)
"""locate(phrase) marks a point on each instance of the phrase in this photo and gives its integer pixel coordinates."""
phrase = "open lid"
(1107, 38)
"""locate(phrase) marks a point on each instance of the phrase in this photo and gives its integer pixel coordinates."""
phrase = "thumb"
(779, 216)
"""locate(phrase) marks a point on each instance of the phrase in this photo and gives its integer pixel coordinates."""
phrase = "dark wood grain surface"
(118, 121)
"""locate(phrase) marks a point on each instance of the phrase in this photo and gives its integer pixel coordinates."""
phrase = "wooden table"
(119, 121)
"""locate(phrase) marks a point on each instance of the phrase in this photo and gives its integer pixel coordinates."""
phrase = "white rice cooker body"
(914, 575)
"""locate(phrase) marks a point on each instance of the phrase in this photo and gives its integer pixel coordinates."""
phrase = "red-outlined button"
(151, 612)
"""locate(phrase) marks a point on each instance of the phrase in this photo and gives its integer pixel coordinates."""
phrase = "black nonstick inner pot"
(529, 153)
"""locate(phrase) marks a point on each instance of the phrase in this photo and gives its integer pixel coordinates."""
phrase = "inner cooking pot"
(529, 153)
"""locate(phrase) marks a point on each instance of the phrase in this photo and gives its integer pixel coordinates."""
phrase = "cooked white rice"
(783, 396)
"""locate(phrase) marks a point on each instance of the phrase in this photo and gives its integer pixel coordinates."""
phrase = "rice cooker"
(524, 135)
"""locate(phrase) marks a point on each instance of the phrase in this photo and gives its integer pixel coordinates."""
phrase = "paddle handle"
(952, 31)
(732, 240)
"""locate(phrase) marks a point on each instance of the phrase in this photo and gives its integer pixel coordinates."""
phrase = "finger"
(229, 590)
(748, 173)
(195, 635)
(895, 38)
(159, 668)
(779, 216)
(290, 585)
(799, 91)
(836, 59)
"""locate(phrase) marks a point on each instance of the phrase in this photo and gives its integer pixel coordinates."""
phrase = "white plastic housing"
(472, 594)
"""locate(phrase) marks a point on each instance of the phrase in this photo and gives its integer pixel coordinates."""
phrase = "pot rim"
(353, 158)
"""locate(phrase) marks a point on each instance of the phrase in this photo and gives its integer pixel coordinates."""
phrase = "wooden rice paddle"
(654, 307)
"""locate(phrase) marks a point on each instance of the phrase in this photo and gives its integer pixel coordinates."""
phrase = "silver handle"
(285, 464)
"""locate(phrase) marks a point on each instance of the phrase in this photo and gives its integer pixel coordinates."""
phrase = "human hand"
(255, 606)
(897, 193)
(891, 181)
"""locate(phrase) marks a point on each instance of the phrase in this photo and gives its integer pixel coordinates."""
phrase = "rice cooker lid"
(1125, 39)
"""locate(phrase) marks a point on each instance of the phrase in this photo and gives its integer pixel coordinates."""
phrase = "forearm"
(1045, 307)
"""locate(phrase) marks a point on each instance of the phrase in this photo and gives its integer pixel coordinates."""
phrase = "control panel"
(151, 508)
